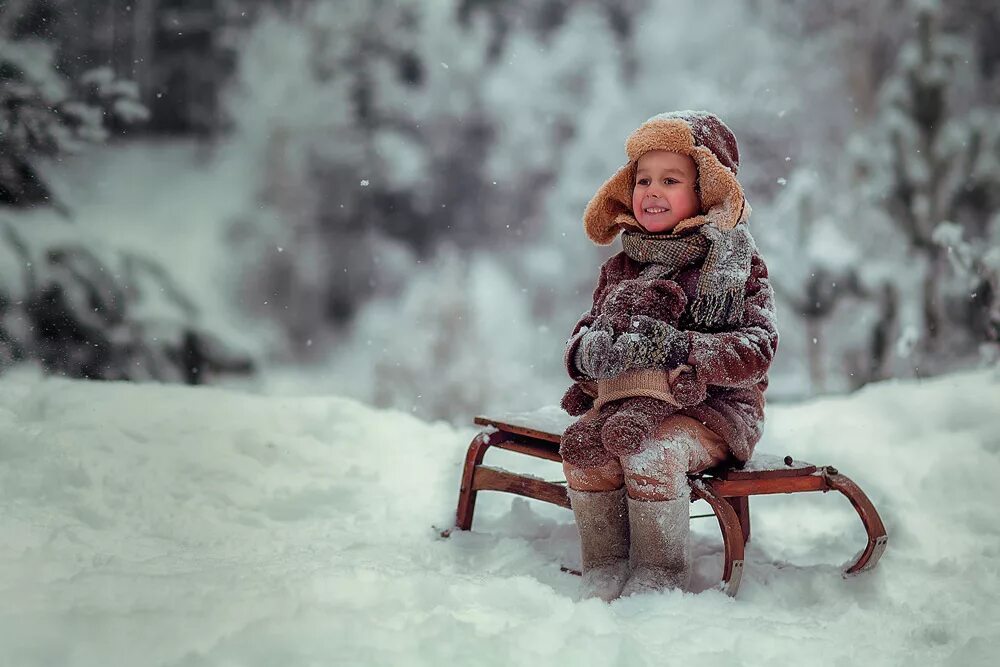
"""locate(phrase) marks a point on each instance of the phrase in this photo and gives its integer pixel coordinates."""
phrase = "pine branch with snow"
(45, 114)
(978, 264)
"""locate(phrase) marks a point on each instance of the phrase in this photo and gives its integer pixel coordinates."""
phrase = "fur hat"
(698, 134)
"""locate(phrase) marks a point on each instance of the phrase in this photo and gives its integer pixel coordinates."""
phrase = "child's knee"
(658, 471)
(606, 477)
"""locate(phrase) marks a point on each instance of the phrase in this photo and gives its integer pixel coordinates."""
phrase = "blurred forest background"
(383, 199)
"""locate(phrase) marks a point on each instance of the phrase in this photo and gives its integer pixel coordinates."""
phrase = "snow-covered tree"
(44, 114)
(931, 161)
(815, 268)
(978, 264)
(410, 127)
(70, 302)
(179, 53)
(973, 240)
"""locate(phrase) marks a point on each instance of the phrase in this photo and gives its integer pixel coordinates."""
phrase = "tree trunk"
(143, 34)
(934, 316)
(817, 377)
(884, 334)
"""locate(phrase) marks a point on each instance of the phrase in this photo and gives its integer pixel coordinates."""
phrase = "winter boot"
(601, 520)
(660, 546)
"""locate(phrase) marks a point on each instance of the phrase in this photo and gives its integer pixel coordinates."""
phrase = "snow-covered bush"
(80, 309)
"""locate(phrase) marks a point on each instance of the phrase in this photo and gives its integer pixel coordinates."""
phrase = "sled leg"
(877, 537)
(467, 493)
(732, 536)
(741, 505)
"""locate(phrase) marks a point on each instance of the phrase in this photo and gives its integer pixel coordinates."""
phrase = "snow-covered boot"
(661, 557)
(603, 524)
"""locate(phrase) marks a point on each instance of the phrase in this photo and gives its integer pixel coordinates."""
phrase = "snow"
(167, 525)
(661, 470)
(763, 461)
(550, 418)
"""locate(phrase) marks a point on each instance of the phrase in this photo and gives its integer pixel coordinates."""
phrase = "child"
(663, 399)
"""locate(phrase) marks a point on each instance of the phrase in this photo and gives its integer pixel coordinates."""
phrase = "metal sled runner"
(727, 491)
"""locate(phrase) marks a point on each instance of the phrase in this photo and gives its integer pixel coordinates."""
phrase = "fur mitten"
(576, 401)
(657, 343)
(688, 388)
(634, 421)
(581, 445)
(596, 356)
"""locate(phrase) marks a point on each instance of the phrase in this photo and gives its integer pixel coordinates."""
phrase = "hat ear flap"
(610, 210)
(722, 198)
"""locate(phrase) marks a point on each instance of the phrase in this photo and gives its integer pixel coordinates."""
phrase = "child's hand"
(597, 357)
(637, 351)
(656, 343)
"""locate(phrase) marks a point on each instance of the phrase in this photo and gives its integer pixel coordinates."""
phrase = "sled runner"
(726, 490)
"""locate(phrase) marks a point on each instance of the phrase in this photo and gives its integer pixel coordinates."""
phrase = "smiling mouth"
(654, 210)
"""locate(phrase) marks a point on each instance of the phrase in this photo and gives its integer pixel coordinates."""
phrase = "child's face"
(664, 191)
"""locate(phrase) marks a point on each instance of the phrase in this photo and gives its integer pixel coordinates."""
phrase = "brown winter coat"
(722, 385)
(732, 364)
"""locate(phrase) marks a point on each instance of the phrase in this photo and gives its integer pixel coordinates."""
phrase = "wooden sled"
(727, 491)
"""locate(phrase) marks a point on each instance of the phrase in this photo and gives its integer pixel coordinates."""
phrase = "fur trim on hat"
(704, 138)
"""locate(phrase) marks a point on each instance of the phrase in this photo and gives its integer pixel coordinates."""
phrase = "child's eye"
(671, 181)
(642, 181)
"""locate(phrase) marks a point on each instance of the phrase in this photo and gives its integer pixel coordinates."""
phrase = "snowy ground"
(164, 525)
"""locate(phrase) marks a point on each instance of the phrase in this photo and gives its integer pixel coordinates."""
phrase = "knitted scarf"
(725, 267)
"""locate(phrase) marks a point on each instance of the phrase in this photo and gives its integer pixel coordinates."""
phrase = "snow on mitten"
(667, 345)
(596, 356)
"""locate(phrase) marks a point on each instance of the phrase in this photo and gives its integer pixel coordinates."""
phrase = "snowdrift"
(166, 525)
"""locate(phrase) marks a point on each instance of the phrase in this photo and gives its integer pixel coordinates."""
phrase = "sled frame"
(726, 490)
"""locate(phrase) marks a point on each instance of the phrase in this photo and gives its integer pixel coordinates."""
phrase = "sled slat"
(759, 487)
(518, 429)
(522, 444)
(496, 479)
